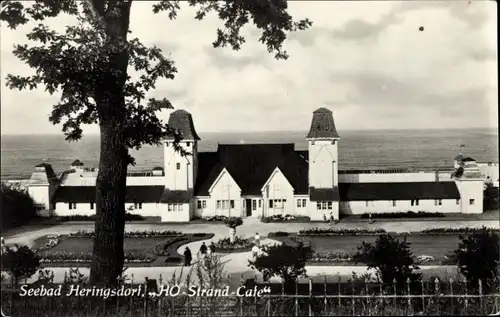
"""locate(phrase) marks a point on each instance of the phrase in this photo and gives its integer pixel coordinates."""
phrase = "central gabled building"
(261, 180)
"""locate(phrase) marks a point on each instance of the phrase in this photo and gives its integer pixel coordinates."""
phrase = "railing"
(432, 297)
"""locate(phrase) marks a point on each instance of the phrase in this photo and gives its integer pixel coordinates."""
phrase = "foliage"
(87, 66)
(284, 261)
(408, 214)
(20, 261)
(392, 259)
(478, 258)
(331, 257)
(216, 218)
(17, 207)
(130, 234)
(128, 217)
(82, 257)
(457, 231)
(340, 232)
(491, 200)
(285, 218)
(238, 244)
(233, 222)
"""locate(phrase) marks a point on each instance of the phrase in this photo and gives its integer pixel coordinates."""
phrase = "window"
(179, 207)
(260, 203)
(224, 204)
(299, 203)
(219, 204)
(92, 206)
(137, 205)
(303, 203)
(188, 143)
(170, 207)
(204, 204)
(435, 202)
(232, 204)
(330, 205)
(440, 202)
(178, 166)
(254, 204)
(471, 201)
(458, 201)
(416, 202)
(72, 206)
(270, 203)
(175, 207)
(199, 204)
(412, 202)
(366, 203)
(318, 205)
(393, 203)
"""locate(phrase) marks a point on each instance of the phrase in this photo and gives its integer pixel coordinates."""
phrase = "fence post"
(481, 296)
(466, 302)
(146, 297)
(452, 297)
(240, 299)
(296, 297)
(408, 291)
(381, 298)
(310, 297)
(340, 299)
(325, 301)
(353, 299)
(130, 302)
(368, 301)
(160, 280)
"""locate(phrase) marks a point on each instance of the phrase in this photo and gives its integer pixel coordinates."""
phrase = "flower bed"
(456, 231)
(131, 234)
(128, 217)
(215, 218)
(340, 232)
(239, 244)
(285, 218)
(162, 248)
(408, 214)
(279, 234)
(77, 257)
(52, 242)
(331, 257)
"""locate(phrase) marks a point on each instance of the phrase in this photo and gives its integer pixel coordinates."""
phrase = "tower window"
(326, 128)
(471, 201)
(178, 166)
(188, 143)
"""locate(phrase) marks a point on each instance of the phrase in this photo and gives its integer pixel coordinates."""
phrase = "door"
(248, 207)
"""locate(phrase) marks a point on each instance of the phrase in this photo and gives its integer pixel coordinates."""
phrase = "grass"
(435, 246)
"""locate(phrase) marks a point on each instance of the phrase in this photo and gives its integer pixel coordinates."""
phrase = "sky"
(366, 61)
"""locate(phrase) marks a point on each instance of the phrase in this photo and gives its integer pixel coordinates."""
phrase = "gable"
(223, 183)
(278, 179)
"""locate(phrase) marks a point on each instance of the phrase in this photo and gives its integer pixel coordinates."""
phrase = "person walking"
(255, 251)
(203, 250)
(187, 257)
(257, 239)
(209, 250)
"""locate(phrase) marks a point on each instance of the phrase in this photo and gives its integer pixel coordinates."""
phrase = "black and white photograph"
(243, 158)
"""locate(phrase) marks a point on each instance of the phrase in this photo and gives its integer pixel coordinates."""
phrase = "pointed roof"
(183, 121)
(322, 125)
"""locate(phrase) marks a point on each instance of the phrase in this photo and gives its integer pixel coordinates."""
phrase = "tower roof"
(322, 125)
(183, 121)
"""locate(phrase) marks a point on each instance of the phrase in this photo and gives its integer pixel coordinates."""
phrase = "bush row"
(285, 218)
(326, 257)
(130, 234)
(457, 231)
(238, 244)
(408, 214)
(215, 218)
(128, 217)
(340, 232)
(81, 257)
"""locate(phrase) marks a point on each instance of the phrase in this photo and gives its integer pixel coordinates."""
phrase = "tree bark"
(108, 253)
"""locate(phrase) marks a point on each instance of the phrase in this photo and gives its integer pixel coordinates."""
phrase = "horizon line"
(278, 131)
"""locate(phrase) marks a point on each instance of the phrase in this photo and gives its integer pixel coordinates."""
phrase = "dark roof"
(468, 159)
(324, 194)
(251, 165)
(176, 196)
(86, 194)
(157, 168)
(322, 125)
(49, 171)
(398, 191)
(183, 121)
(77, 163)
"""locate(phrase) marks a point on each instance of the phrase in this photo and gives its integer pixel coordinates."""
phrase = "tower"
(458, 159)
(323, 150)
(181, 171)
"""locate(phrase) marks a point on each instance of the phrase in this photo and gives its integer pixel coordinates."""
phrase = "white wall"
(40, 194)
(175, 216)
(489, 170)
(471, 189)
(386, 206)
(323, 163)
(224, 188)
(145, 180)
(278, 188)
(319, 214)
(179, 179)
(82, 209)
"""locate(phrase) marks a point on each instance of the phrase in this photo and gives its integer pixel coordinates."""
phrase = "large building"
(261, 180)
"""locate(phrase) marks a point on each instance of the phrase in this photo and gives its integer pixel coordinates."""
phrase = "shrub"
(20, 261)
(215, 218)
(424, 259)
(17, 206)
(238, 244)
(331, 257)
(478, 258)
(280, 234)
(340, 232)
(408, 214)
(128, 217)
(233, 222)
(457, 231)
(130, 234)
(285, 218)
(82, 257)
(391, 258)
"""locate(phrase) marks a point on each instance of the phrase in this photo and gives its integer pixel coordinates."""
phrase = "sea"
(368, 149)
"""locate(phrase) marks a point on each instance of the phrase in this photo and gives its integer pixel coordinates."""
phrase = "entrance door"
(249, 207)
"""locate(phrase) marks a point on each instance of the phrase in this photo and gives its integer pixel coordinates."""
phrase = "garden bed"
(340, 232)
(285, 218)
(240, 245)
(408, 214)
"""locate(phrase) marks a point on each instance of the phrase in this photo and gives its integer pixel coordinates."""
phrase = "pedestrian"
(257, 239)
(203, 250)
(187, 257)
(209, 250)
(332, 220)
(255, 251)
(212, 246)
(4, 247)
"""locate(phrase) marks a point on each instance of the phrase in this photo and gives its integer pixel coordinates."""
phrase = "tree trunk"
(108, 253)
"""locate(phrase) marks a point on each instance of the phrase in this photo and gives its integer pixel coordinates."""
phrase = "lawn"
(435, 246)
